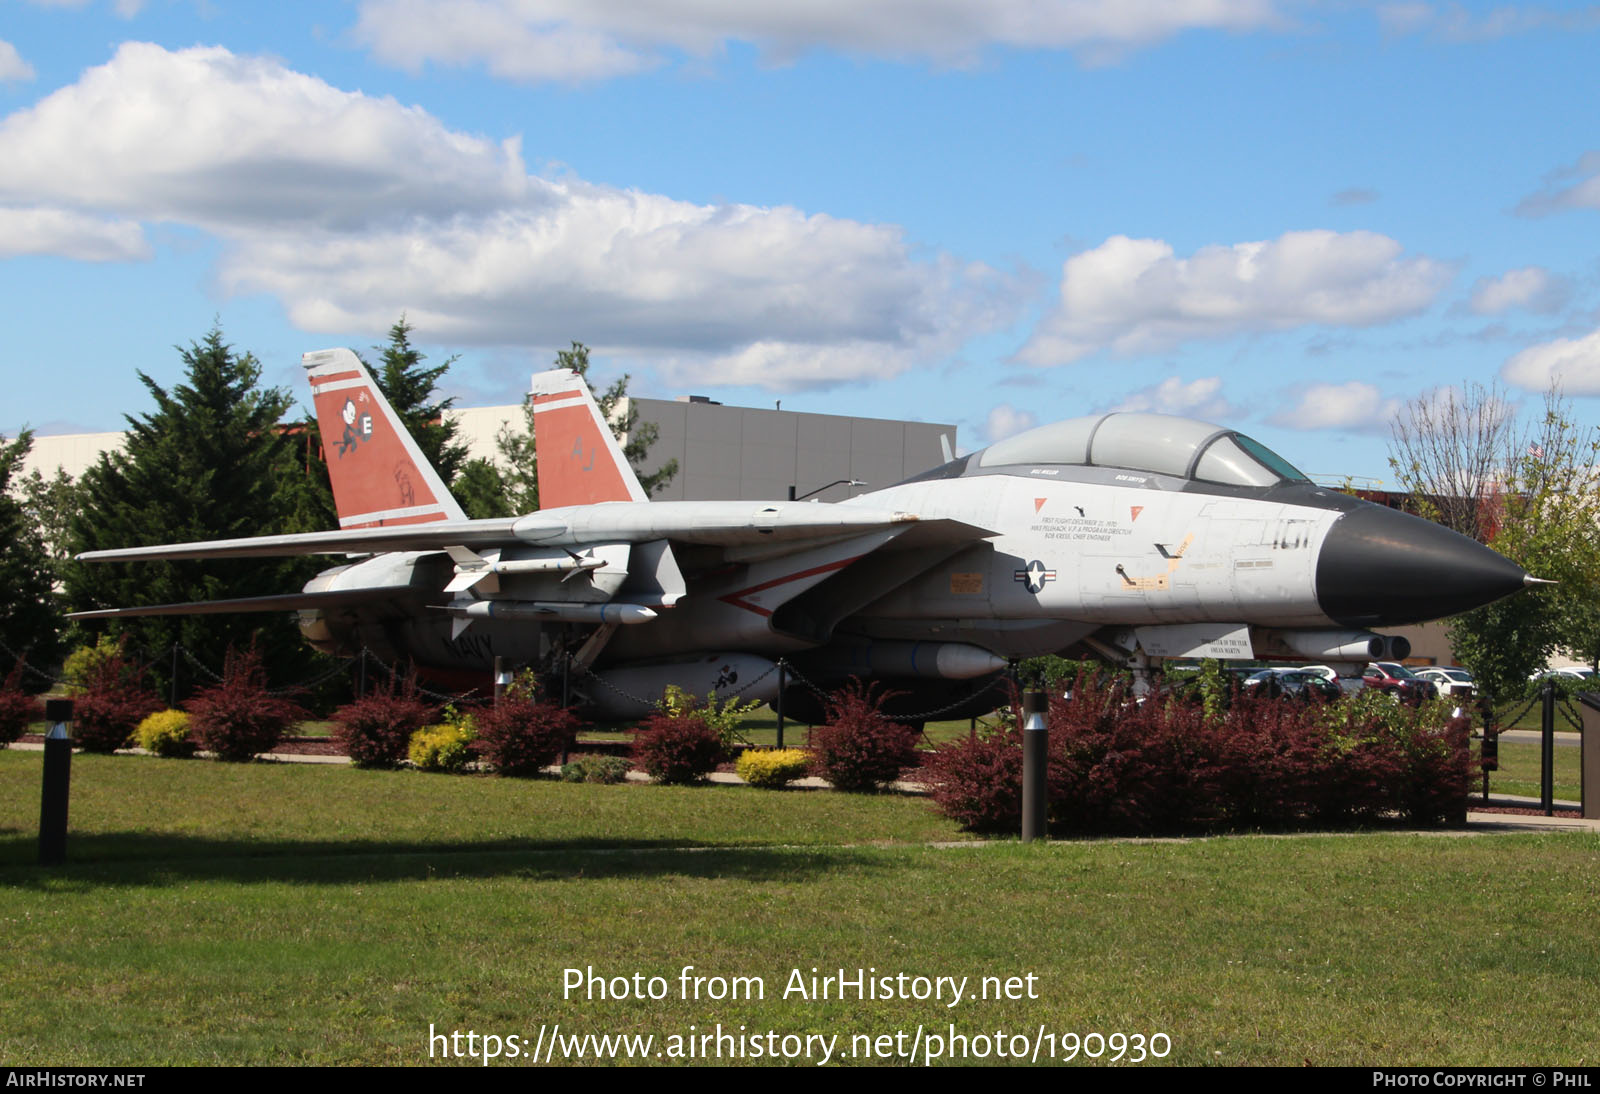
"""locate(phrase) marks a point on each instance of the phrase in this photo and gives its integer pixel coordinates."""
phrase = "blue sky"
(1289, 217)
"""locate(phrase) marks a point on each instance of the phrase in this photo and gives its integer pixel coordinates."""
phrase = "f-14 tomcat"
(1140, 536)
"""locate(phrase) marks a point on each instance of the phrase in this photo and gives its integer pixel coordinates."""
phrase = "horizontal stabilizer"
(282, 602)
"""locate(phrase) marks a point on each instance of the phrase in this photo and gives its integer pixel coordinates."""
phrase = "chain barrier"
(922, 717)
(586, 674)
(1501, 720)
(724, 695)
(194, 663)
(394, 674)
(1571, 714)
(22, 659)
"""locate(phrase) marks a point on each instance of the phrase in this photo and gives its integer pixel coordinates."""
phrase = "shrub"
(858, 748)
(520, 736)
(680, 748)
(82, 664)
(166, 733)
(237, 719)
(18, 709)
(727, 719)
(443, 747)
(1165, 765)
(773, 767)
(978, 781)
(113, 703)
(376, 730)
(595, 769)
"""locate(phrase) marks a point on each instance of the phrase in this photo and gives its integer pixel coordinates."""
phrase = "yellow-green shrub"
(444, 747)
(772, 767)
(166, 733)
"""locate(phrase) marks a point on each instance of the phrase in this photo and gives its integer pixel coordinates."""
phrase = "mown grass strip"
(268, 914)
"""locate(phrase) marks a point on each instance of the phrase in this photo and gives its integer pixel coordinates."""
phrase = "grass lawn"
(300, 914)
(1520, 771)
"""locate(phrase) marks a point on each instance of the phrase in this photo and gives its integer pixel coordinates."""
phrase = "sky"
(1285, 216)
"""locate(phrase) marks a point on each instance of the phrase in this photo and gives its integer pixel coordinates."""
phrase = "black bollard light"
(57, 782)
(1035, 760)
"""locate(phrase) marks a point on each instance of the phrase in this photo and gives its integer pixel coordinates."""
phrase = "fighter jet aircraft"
(1139, 536)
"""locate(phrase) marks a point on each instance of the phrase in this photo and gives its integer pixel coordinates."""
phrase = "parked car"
(1452, 681)
(1347, 685)
(1291, 683)
(1399, 681)
(1570, 672)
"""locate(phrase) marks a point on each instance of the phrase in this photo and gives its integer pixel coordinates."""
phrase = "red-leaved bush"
(376, 729)
(978, 782)
(18, 709)
(520, 736)
(114, 702)
(237, 719)
(1162, 766)
(681, 748)
(859, 748)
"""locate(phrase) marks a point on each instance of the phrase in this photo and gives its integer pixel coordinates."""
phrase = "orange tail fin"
(580, 461)
(379, 475)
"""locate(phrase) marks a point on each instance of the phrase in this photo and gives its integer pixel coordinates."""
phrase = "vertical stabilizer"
(379, 475)
(580, 462)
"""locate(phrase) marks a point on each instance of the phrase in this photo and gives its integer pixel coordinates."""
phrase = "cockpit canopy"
(1158, 443)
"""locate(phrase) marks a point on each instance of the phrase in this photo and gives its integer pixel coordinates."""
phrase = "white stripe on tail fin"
(580, 462)
(379, 475)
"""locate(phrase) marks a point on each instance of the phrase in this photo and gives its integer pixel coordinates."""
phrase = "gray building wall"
(732, 452)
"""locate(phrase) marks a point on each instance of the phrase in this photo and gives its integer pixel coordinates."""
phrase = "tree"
(208, 463)
(521, 479)
(410, 388)
(1532, 492)
(29, 611)
(49, 504)
(1449, 450)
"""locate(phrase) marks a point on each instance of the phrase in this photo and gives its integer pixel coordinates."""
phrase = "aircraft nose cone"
(1381, 567)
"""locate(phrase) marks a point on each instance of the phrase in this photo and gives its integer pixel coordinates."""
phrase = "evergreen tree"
(410, 388)
(481, 490)
(208, 463)
(521, 478)
(29, 612)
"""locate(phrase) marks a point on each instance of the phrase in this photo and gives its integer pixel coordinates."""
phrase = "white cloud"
(69, 235)
(1005, 421)
(13, 69)
(203, 136)
(575, 40)
(1353, 405)
(1573, 364)
(1530, 287)
(1574, 187)
(1135, 296)
(349, 208)
(1197, 399)
(1457, 23)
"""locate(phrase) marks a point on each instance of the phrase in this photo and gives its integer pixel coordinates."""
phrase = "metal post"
(1035, 758)
(1547, 749)
(566, 670)
(57, 783)
(782, 678)
(172, 693)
